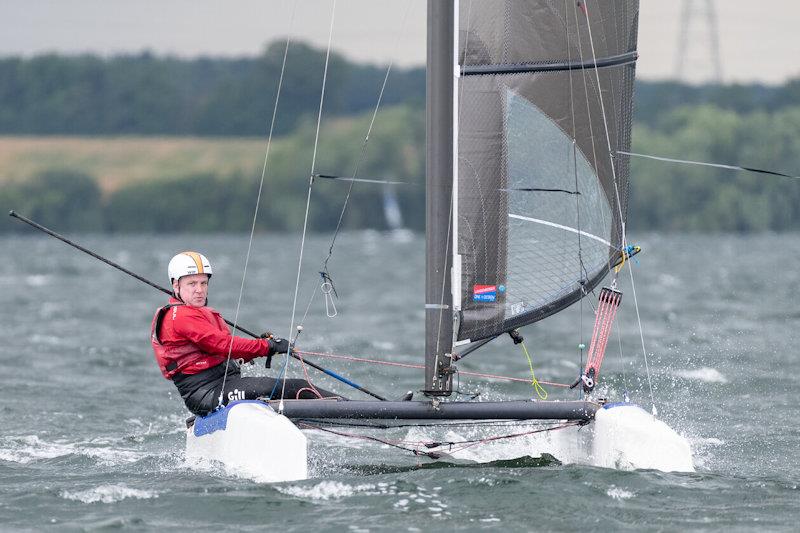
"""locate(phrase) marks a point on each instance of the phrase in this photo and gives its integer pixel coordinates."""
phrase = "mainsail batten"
(517, 68)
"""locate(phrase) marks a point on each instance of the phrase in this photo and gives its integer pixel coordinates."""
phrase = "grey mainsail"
(541, 96)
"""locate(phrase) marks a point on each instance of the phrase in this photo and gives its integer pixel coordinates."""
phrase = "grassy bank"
(116, 162)
(210, 184)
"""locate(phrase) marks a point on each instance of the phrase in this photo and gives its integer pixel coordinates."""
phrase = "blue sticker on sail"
(484, 293)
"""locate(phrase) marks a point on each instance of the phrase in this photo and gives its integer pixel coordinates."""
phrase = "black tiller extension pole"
(168, 292)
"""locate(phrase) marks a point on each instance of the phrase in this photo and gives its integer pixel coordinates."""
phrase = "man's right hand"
(277, 345)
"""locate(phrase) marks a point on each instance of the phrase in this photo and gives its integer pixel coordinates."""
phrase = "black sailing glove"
(276, 345)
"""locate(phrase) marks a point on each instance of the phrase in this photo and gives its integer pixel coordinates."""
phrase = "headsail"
(540, 206)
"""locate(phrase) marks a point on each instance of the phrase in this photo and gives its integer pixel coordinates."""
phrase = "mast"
(438, 204)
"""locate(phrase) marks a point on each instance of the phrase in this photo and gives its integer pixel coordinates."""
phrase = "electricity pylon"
(696, 11)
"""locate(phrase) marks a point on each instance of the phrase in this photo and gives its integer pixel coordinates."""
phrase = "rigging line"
(595, 164)
(582, 273)
(434, 423)
(450, 220)
(363, 152)
(358, 163)
(310, 300)
(415, 447)
(586, 85)
(619, 206)
(308, 196)
(605, 126)
(539, 189)
(385, 442)
(641, 336)
(419, 366)
(714, 165)
(258, 196)
(469, 443)
(622, 364)
(362, 180)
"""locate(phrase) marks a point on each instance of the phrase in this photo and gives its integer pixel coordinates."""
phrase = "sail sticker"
(484, 293)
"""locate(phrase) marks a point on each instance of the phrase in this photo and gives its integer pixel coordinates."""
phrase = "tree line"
(664, 196)
(146, 94)
(757, 126)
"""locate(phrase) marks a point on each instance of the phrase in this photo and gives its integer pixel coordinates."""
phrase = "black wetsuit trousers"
(200, 392)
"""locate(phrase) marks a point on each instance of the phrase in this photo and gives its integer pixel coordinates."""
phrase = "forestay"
(540, 205)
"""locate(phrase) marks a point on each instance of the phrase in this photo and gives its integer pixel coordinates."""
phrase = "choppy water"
(92, 436)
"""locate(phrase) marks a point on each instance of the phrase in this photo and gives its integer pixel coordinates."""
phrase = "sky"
(758, 40)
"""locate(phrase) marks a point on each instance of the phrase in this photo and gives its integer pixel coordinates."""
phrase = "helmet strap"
(177, 292)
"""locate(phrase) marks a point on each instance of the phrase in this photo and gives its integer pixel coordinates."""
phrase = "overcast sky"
(758, 39)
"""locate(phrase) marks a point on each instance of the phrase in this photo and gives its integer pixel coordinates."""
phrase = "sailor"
(195, 349)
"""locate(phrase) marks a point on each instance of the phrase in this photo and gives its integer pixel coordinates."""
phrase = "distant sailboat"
(393, 216)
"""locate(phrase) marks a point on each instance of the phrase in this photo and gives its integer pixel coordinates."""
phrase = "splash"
(616, 493)
(108, 494)
(627, 437)
(704, 374)
(334, 490)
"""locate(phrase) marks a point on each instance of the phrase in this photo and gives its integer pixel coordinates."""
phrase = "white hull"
(621, 436)
(250, 440)
(627, 437)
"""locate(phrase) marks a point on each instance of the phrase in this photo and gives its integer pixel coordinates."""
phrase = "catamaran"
(529, 107)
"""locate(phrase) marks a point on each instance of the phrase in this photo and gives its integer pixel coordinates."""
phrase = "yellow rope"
(540, 391)
(622, 263)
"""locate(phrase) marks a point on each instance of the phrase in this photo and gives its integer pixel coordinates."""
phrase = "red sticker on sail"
(484, 293)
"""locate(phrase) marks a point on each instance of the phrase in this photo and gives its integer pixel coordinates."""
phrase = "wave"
(704, 374)
(332, 490)
(108, 494)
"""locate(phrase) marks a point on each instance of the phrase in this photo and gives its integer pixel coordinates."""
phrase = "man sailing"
(192, 345)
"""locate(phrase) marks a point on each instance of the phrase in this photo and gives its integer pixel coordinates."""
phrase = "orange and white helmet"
(186, 264)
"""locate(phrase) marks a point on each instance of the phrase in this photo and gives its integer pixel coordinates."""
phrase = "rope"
(308, 196)
(418, 447)
(540, 391)
(418, 366)
(258, 199)
(582, 273)
(606, 312)
(714, 165)
(450, 221)
(354, 177)
(585, 8)
(644, 351)
(364, 145)
(437, 423)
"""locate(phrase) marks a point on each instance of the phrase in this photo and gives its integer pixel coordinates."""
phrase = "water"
(92, 435)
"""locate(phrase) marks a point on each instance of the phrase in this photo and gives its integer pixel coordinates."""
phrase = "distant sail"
(540, 205)
(391, 209)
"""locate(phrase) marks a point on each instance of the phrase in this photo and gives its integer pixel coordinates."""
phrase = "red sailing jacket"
(192, 339)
